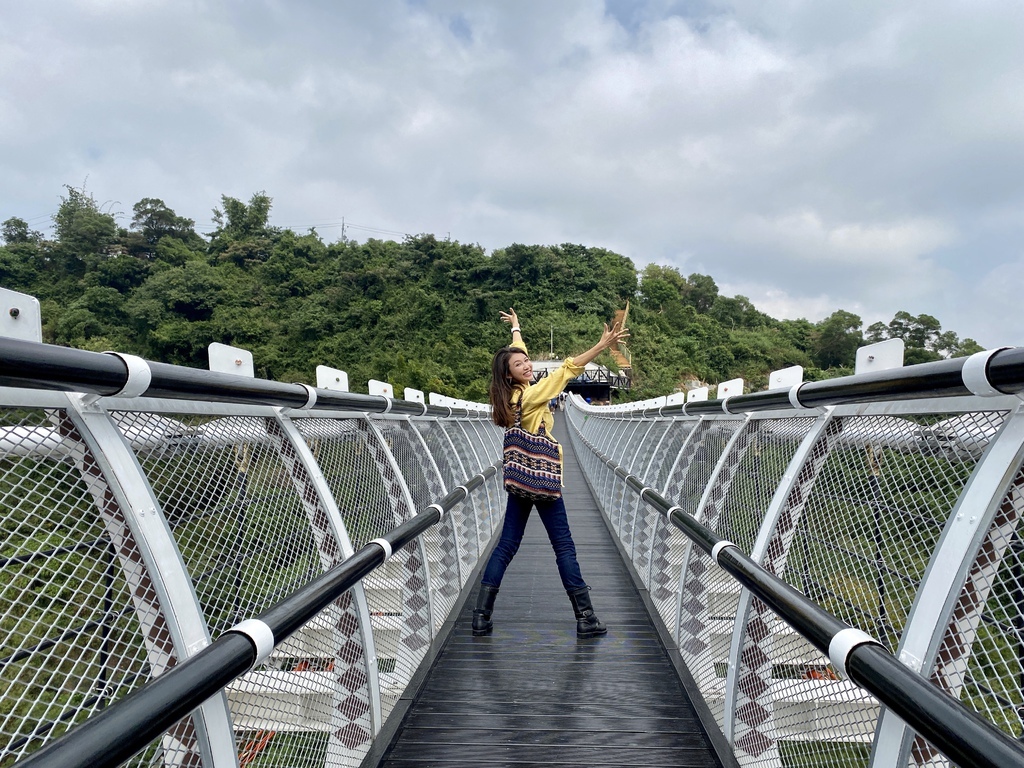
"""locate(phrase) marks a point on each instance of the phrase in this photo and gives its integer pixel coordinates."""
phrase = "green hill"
(421, 313)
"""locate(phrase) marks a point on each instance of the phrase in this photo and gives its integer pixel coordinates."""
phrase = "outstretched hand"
(613, 336)
(510, 317)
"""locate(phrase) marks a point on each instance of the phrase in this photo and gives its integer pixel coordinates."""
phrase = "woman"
(511, 390)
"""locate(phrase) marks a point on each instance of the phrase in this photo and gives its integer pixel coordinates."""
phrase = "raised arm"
(611, 336)
(512, 319)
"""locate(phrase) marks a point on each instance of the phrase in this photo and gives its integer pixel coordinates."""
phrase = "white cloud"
(816, 155)
(868, 245)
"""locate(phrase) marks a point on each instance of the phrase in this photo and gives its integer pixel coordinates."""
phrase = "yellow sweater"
(537, 396)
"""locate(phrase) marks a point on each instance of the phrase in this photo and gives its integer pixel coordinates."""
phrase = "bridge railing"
(149, 509)
(893, 501)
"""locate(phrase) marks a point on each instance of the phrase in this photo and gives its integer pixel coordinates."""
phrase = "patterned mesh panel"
(425, 487)
(466, 516)
(981, 657)
(856, 538)
(230, 489)
(473, 463)
(360, 474)
(746, 481)
(648, 520)
(863, 516)
(671, 548)
(83, 622)
(81, 626)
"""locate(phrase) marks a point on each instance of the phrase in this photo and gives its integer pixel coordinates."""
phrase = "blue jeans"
(556, 523)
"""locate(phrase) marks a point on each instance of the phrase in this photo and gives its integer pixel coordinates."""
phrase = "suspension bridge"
(201, 568)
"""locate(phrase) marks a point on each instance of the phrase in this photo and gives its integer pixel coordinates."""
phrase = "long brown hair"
(501, 389)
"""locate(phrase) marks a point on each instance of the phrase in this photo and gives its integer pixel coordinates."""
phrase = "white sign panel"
(730, 388)
(786, 378)
(696, 395)
(225, 359)
(331, 378)
(880, 357)
(20, 317)
(380, 388)
(413, 395)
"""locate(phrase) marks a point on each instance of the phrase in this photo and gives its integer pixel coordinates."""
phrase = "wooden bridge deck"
(532, 693)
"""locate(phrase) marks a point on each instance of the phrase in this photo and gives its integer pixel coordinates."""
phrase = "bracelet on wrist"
(516, 328)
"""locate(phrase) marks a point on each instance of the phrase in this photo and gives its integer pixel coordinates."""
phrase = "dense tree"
(15, 231)
(81, 228)
(836, 339)
(923, 336)
(421, 312)
(243, 233)
(154, 223)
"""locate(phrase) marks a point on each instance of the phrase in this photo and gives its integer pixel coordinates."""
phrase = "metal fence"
(137, 529)
(901, 517)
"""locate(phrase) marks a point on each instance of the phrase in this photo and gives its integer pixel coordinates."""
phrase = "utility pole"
(552, 342)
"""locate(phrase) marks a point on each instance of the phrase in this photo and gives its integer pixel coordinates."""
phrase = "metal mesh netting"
(686, 486)
(863, 516)
(234, 511)
(875, 514)
(981, 657)
(648, 520)
(358, 471)
(466, 516)
(247, 539)
(650, 440)
(473, 462)
(82, 615)
(439, 541)
(630, 446)
(856, 536)
(745, 484)
(616, 445)
(74, 639)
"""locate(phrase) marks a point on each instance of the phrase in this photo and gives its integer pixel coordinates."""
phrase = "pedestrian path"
(532, 693)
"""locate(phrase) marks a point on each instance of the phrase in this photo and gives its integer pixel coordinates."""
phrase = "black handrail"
(963, 736)
(29, 364)
(944, 378)
(115, 734)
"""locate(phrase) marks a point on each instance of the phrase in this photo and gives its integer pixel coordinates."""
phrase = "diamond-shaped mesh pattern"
(425, 487)
(746, 481)
(981, 657)
(686, 486)
(648, 520)
(629, 447)
(235, 513)
(466, 516)
(359, 472)
(81, 627)
(872, 520)
(251, 532)
(83, 624)
(863, 516)
(649, 440)
(473, 463)
(855, 536)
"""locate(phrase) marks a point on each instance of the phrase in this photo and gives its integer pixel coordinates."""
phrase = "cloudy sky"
(811, 155)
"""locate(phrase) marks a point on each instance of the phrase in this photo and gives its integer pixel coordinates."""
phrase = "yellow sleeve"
(537, 396)
(551, 386)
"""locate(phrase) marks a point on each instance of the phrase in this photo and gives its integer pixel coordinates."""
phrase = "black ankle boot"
(482, 624)
(587, 624)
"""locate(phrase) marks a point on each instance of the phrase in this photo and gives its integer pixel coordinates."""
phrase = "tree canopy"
(420, 313)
